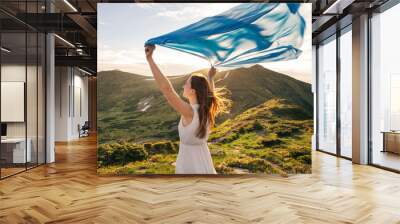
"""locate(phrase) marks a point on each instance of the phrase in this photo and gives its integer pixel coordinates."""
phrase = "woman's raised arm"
(166, 87)
(211, 75)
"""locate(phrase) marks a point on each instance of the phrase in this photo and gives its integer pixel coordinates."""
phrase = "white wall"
(62, 81)
(80, 104)
(70, 83)
(12, 73)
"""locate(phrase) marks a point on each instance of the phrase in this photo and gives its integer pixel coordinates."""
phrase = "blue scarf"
(246, 34)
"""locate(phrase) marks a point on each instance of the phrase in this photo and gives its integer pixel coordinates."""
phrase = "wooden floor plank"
(70, 191)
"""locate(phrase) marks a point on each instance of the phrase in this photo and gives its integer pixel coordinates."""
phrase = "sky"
(124, 27)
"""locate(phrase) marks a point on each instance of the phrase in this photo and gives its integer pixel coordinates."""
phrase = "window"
(346, 93)
(385, 89)
(22, 86)
(327, 96)
(394, 102)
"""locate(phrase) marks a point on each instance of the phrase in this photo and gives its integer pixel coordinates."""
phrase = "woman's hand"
(149, 49)
(212, 72)
(211, 75)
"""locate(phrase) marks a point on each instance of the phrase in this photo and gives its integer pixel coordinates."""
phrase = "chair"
(84, 130)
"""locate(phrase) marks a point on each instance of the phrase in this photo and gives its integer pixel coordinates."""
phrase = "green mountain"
(131, 108)
(273, 137)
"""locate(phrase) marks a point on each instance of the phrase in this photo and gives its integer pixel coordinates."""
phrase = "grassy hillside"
(132, 109)
(273, 137)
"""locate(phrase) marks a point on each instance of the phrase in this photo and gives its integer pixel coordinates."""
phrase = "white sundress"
(194, 157)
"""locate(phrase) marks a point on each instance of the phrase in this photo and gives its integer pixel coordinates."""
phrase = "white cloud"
(120, 57)
(143, 5)
(195, 11)
(171, 62)
(100, 22)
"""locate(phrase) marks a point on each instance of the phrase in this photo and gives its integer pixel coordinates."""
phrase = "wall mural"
(194, 88)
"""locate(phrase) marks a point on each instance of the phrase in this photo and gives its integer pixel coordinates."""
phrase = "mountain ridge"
(255, 73)
(131, 104)
(202, 71)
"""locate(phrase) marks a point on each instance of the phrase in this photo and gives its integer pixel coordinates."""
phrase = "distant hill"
(278, 116)
(131, 108)
(254, 85)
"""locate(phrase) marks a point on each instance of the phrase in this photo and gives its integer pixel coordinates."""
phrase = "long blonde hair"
(211, 103)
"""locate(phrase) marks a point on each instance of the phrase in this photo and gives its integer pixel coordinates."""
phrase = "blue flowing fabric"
(246, 34)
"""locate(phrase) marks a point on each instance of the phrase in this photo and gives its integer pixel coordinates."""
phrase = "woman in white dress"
(197, 116)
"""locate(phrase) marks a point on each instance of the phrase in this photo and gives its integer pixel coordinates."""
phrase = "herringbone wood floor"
(70, 191)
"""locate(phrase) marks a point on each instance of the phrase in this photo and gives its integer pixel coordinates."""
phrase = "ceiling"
(75, 23)
(329, 16)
